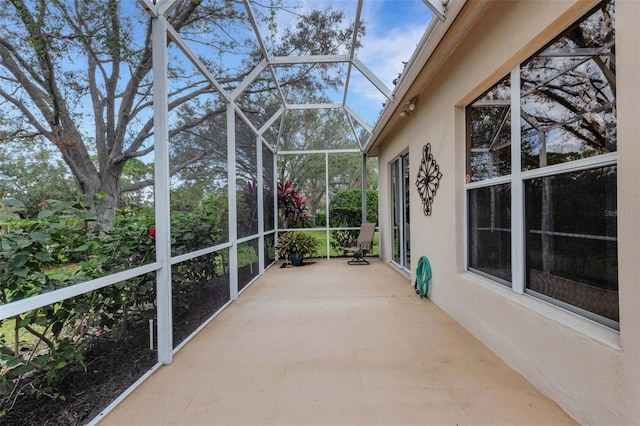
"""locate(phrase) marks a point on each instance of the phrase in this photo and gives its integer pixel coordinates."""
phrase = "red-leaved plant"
(292, 207)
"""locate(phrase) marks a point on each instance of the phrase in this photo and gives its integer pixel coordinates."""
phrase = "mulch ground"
(110, 368)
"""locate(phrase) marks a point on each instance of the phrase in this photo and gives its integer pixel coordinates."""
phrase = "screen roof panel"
(323, 54)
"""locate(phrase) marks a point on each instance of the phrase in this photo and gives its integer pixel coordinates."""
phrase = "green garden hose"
(423, 277)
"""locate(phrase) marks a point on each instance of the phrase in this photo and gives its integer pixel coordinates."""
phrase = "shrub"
(63, 246)
(32, 261)
(321, 219)
(292, 207)
(345, 210)
(296, 243)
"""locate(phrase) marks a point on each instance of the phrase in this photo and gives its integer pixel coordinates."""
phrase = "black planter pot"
(295, 259)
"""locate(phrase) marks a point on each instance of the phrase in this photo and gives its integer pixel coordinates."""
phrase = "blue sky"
(394, 28)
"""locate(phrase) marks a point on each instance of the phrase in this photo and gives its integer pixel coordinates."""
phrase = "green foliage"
(346, 208)
(31, 173)
(321, 219)
(58, 248)
(31, 258)
(63, 246)
(343, 238)
(346, 211)
(247, 208)
(134, 171)
(214, 208)
(202, 225)
(246, 254)
(191, 231)
(298, 243)
(62, 233)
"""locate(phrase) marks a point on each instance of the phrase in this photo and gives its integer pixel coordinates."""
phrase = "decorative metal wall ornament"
(428, 179)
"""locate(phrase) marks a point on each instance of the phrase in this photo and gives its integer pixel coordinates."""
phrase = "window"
(489, 125)
(490, 231)
(570, 230)
(549, 197)
(489, 164)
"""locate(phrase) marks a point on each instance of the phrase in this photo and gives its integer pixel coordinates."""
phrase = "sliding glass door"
(400, 194)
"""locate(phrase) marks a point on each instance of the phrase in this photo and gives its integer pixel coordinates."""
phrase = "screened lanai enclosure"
(164, 146)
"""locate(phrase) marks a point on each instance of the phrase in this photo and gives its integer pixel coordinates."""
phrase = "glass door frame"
(400, 212)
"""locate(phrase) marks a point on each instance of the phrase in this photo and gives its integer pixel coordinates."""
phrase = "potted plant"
(294, 246)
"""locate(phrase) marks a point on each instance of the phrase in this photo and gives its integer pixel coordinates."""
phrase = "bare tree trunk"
(101, 188)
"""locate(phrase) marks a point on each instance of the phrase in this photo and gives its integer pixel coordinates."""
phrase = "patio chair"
(364, 244)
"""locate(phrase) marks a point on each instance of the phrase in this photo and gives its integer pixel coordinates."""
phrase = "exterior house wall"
(591, 371)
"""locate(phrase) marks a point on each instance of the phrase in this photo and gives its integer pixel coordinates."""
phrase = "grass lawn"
(7, 330)
(321, 236)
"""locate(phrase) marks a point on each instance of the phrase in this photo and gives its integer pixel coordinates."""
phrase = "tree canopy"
(78, 75)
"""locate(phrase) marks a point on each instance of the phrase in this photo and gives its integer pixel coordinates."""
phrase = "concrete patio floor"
(333, 344)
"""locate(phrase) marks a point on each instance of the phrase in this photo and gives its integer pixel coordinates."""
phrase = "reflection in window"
(571, 234)
(568, 95)
(395, 184)
(401, 230)
(568, 112)
(490, 231)
(489, 153)
(407, 215)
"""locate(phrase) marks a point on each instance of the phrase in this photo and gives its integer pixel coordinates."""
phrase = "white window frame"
(517, 180)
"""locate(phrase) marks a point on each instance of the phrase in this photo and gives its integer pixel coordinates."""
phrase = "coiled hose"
(423, 277)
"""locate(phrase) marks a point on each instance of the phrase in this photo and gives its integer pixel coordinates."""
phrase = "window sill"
(577, 323)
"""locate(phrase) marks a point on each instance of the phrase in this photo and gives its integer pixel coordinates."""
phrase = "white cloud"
(394, 28)
(384, 54)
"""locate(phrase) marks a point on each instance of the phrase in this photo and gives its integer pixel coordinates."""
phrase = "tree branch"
(145, 132)
(37, 95)
(33, 121)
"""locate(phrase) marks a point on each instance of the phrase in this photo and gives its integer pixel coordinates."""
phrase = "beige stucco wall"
(592, 372)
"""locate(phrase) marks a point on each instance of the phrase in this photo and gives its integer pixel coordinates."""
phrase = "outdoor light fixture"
(409, 106)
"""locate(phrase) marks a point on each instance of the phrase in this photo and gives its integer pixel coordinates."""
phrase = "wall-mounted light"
(409, 106)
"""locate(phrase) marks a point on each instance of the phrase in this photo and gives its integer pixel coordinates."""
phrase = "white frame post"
(260, 194)
(517, 196)
(231, 194)
(364, 188)
(161, 189)
(327, 201)
(275, 194)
